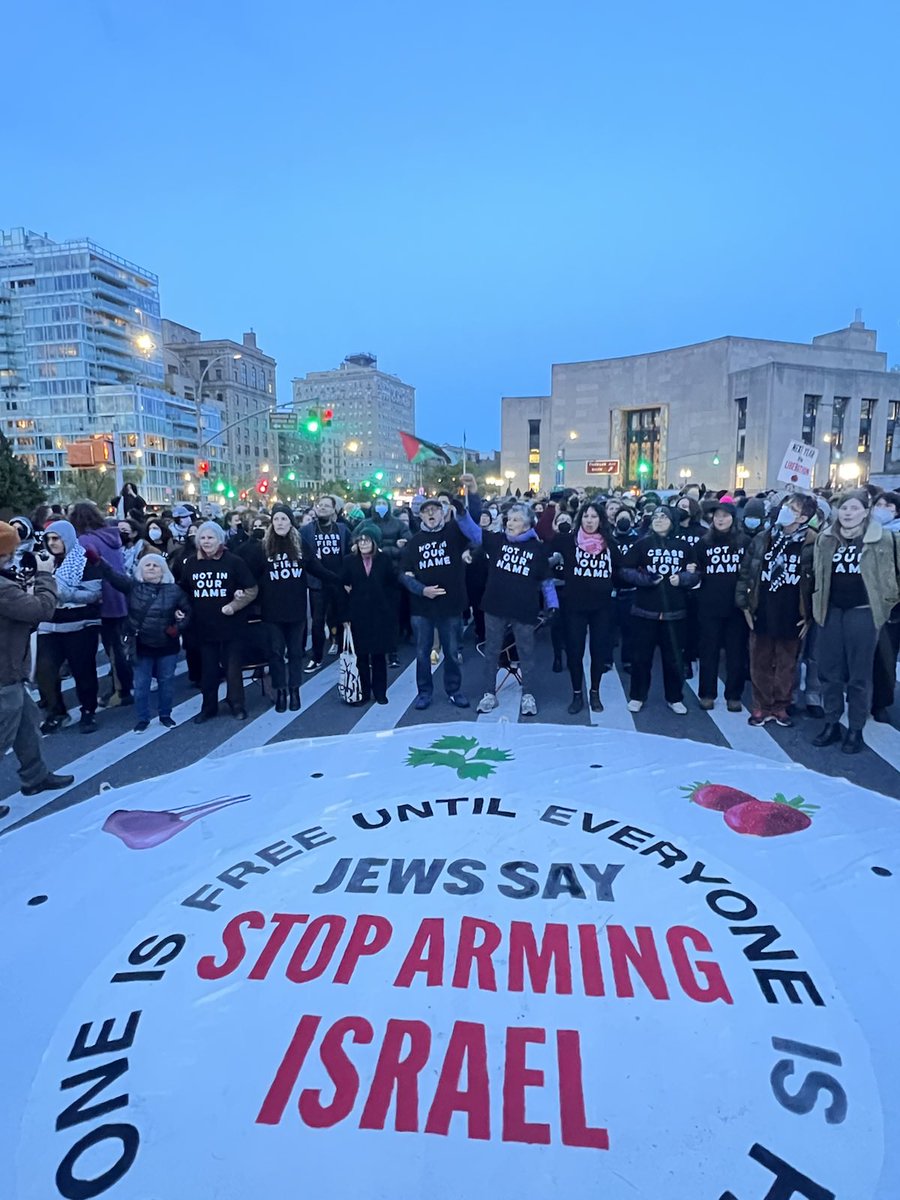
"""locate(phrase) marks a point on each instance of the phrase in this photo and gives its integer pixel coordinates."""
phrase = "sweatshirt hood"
(65, 531)
(522, 537)
(109, 535)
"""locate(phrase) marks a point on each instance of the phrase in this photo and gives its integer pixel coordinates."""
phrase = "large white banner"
(445, 963)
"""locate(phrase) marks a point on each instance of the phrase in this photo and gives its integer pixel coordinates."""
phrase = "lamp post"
(509, 476)
(199, 398)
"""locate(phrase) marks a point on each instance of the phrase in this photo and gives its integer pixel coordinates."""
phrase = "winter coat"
(151, 613)
(108, 544)
(334, 539)
(650, 564)
(392, 531)
(371, 605)
(747, 591)
(21, 611)
(879, 566)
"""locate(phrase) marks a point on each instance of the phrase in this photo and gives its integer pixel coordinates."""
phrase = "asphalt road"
(115, 756)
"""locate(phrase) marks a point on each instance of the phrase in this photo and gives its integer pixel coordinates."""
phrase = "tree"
(88, 484)
(20, 489)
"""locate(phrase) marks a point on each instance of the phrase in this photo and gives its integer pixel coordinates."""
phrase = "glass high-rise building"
(81, 357)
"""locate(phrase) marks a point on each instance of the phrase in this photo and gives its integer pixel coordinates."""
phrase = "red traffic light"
(263, 486)
(327, 415)
(203, 468)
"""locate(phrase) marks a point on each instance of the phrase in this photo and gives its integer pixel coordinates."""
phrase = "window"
(866, 416)
(218, 374)
(836, 436)
(810, 409)
(892, 438)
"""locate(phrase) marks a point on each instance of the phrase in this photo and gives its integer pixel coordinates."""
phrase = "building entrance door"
(642, 447)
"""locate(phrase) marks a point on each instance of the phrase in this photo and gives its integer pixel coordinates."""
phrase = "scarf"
(778, 548)
(71, 570)
(591, 543)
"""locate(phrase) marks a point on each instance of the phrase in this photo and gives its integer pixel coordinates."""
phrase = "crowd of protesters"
(796, 593)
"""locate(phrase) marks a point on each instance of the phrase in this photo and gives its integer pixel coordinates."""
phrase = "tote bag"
(349, 687)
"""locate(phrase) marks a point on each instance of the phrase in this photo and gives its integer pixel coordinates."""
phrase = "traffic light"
(263, 486)
(312, 424)
(244, 495)
(220, 485)
(716, 460)
(379, 475)
(560, 464)
(203, 469)
(643, 468)
(292, 475)
(327, 417)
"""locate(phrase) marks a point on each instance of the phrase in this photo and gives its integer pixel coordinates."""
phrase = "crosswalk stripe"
(508, 691)
(884, 740)
(269, 724)
(615, 713)
(741, 736)
(401, 693)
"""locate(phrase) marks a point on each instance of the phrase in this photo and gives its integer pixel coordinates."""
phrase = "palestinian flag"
(419, 451)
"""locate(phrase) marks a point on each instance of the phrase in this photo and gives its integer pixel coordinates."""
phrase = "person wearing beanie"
(157, 612)
(753, 516)
(369, 609)
(433, 571)
(721, 623)
(857, 584)
(886, 511)
(519, 579)
(287, 564)
(328, 540)
(220, 586)
(71, 634)
(774, 592)
(22, 608)
(662, 568)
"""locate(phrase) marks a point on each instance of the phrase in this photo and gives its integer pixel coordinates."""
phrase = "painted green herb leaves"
(461, 755)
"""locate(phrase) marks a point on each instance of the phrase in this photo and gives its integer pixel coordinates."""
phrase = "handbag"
(349, 686)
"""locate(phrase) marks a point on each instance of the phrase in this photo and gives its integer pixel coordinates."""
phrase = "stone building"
(720, 412)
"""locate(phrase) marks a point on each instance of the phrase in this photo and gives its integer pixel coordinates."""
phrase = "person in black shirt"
(370, 609)
(328, 540)
(219, 585)
(663, 568)
(721, 623)
(625, 535)
(434, 573)
(590, 559)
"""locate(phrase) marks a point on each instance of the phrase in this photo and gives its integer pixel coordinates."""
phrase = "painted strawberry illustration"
(770, 818)
(717, 796)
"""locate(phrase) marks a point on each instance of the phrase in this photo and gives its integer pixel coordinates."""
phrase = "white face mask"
(786, 516)
(155, 534)
(883, 515)
(381, 509)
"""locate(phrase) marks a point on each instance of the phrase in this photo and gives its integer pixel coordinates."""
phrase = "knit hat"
(755, 509)
(282, 508)
(368, 529)
(210, 527)
(726, 504)
(667, 511)
(9, 539)
(65, 531)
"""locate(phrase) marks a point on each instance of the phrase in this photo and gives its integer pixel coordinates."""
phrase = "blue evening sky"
(474, 190)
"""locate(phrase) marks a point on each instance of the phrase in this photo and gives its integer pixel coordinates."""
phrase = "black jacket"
(650, 565)
(371, 606)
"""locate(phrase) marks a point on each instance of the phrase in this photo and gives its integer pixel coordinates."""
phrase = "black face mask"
(564, 526)
(259, 534)
(623, 524)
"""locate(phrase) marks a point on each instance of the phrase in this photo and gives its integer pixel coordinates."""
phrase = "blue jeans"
(448, 632)
(145, 667)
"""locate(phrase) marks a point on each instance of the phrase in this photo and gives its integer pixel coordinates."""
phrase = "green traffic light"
(715, 460)
(366, 483)
(312, 426)
(643, 468)
(230, 493)
(220, 486)
(560, 466)
(292, 475)
(379, 475)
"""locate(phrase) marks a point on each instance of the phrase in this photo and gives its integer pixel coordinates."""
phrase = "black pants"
(79, 650)
(884, 676)
(596, 625)
(623, 602)
(558, 628)
(668, 635)
(723, 631)
(214, 655)
(372, 675)
(321, 607)
(286, 638)
(691, 635)
(191, 642)
(846, 651)
(111, 630)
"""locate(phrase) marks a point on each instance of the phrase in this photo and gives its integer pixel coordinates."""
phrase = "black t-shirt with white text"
(589, 578)
(211, 584)
(719, 561)
(847, 587)
(516, 571)
(434, 558)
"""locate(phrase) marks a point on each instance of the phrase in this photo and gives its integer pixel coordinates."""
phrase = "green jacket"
(747, 591)
(21, 612)
(879, 565)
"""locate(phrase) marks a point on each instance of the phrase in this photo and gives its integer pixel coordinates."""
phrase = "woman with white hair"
(157, 612)
(220, 585)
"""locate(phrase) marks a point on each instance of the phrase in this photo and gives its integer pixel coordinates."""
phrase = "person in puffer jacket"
(157, 612)
(94, 534)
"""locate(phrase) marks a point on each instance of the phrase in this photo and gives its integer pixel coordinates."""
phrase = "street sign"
(603, 466)
(798, 465)
(290, 420)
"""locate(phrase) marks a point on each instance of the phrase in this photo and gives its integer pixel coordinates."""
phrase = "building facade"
(80, 358)
(720, 413)
(369, 408)
(237, 380)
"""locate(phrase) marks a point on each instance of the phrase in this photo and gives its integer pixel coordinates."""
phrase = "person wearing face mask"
(662, 568)
(182, 518)
(132, 542)
(721, 623)
(753, 516)
(625, 536)
(774, 592)
(219, 586)
(690, 528)
(590, 560)
(562, 528)
(157, 534)
(394, 537)
(886, 511)
(283, 592)
(327, 540)
(857, 584)
(434, 573)
(370, 609)
(519, 576)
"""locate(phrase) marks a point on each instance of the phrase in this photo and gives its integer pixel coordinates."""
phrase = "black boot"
(594, 698)
(577, 703)
(294, 694)
(830, 734)
(853, 742)
(557, 664)
(281, 700)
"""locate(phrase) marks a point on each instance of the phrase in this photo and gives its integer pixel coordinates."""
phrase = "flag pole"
(465, 468)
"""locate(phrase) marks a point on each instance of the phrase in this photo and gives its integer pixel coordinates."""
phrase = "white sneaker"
(333, 648)
(528, 707)
(487, 703)
(435, 658)
(679, 708)
(635, 705)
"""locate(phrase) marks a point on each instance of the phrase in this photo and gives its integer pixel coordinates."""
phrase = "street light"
(203, 374)
(145, 343)
(685, 472)
(353, 446)
(264, 468)
(849, 470)
(573, 435)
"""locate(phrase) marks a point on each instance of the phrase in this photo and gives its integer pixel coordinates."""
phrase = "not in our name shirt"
(211, 584)
(435, 560)
(588, 577)
(847, 587)
(516, 571)
(719, 562)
